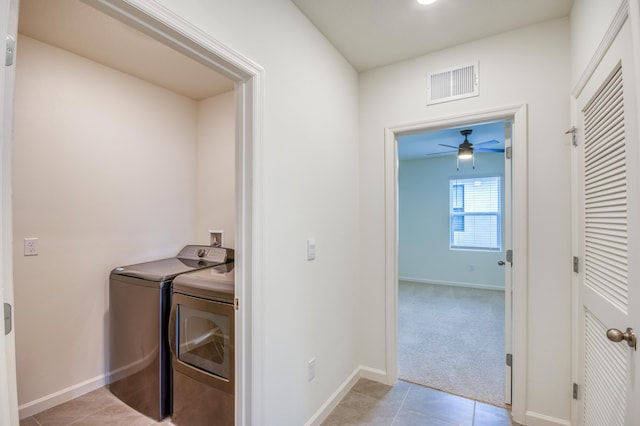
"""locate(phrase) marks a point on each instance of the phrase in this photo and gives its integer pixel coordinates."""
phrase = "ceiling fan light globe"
(465, 153)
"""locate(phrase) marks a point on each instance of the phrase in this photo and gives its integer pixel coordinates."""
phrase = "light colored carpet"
(452, 339)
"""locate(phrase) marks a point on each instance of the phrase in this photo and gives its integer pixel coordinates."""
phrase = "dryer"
(201, 337)
(139, 304)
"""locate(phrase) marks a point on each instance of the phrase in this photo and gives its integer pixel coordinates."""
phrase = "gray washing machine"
(201, 338)
(139, 304)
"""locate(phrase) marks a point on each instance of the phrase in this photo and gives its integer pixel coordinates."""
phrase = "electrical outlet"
(31, 246)
(311, 369)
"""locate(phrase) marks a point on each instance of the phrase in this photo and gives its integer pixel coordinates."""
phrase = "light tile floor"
(407, 404)
(368, 403)
(97, 408)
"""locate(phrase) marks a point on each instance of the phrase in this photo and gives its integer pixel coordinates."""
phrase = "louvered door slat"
(602, 162)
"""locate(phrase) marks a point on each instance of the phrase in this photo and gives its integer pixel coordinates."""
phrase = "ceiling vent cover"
(452, 84)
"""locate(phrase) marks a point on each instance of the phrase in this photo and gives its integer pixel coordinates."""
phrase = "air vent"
(452, 84)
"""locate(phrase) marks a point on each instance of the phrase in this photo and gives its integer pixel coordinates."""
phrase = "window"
(474, 213)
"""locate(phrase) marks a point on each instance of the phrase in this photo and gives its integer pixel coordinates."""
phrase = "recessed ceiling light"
(426, 1)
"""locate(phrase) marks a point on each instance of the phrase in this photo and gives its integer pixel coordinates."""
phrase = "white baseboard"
(375, 375)
(336, 397)
(331, 403)
(48, 401)
(537, 419)
(451, 283)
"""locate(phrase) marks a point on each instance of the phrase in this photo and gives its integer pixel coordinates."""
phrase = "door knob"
(501, 262)
(630, 336)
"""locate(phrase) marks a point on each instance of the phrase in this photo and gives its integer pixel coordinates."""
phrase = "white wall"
(309, 188)
(215, 156)
(529, 65)
(423, 224)
(589, 20)
(104, 175)
(309, 166)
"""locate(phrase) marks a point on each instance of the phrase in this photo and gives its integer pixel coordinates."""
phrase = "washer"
(139, 304)
(201, 337)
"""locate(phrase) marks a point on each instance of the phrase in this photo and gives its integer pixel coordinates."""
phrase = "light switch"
(311, 249)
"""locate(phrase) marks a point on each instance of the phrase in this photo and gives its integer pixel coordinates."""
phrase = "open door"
(508, 262)
(607, 207)
(8, 391)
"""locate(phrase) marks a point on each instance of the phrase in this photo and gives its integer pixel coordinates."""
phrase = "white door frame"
(169, 29)
(518, 115)
(8, 387)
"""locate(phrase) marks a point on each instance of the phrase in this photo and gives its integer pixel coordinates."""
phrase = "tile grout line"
(473, 418)
(88, 414)
(401, 405)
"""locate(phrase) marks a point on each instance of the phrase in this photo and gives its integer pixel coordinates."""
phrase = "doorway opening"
(452, 246)
(159, 28)
(515, 295)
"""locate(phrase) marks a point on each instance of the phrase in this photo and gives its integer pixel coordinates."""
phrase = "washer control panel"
(208, 253)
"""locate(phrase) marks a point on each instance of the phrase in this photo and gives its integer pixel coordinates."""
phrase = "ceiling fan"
(466, 149)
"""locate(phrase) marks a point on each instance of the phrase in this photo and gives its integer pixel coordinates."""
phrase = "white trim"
(518, 114)
(612, 32)
(61, 396)
(537, 419)
(391, 164)
(451, 283)
(9, 413)
(520, 242)
(375, 375)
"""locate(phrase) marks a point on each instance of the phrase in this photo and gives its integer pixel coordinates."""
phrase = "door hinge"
(508, 153)
(10, 51)
(509, 256)
(572, 130)
(236, 304)
(7, 319)
(576, 264)
(575, 391)
(509, 360)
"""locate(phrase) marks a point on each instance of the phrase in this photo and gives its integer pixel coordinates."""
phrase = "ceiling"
(373, 33)
(427, 145)
(85, 31)
(369, 33)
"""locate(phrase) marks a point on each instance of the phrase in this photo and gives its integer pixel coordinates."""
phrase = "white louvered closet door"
(609, 228)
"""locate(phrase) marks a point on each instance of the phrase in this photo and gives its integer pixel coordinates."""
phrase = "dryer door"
(201, 339)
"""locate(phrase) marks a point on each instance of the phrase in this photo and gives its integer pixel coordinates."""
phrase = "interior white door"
(508, 264)
(608, 212)
(8, 391)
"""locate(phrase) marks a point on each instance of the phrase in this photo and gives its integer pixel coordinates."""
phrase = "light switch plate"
(311, 249)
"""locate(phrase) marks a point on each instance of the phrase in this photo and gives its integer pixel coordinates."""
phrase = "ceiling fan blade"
(491, 142)
(448, 146)
(441, 153)
(489, 150)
